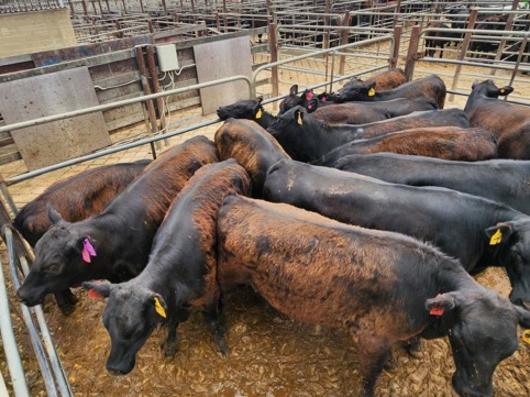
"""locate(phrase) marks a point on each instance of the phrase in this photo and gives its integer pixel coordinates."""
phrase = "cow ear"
(259, 99)
(98, 288)
(499, 234)
(505, 91)
(53, 215)
(159, 305)
(475, 83)
(523, 316)
(441, 304)
(299, 117)
(293, 90)
(312, 105)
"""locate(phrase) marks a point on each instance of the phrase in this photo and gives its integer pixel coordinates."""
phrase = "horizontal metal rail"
(113, 105)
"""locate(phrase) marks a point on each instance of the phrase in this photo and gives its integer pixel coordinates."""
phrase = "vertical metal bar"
(344, 40)
(508, 27)
(412, 52)
(519, 58)
(14, 363)
(156, 87)
(273, 47)
(147, 90)
(396, 13)
(465, 45)
(164, 6)
(393, 61)
(332, 73)
(124, 6)
(325, 38)
(142, 6)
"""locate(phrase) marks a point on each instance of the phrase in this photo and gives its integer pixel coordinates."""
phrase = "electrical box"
(167, 57)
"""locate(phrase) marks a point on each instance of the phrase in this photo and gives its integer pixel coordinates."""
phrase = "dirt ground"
(270, 355)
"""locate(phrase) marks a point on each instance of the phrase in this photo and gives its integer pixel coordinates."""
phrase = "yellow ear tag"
(159, 308)
(371, 91)
(299, 119)
(259, 114)
(526, 336)
(496, 238)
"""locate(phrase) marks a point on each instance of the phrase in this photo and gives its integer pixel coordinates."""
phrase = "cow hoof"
(170, 349)
(413, 347)
(222, 346)
(67, 308)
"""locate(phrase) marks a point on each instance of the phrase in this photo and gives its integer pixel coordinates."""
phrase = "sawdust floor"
(269, 355)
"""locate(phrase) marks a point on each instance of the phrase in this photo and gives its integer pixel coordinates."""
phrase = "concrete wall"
(27, 32)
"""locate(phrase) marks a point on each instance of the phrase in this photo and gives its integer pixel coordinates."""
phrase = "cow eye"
(54, 268)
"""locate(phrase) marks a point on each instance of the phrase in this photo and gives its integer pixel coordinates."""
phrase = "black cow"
(114, 244)
(308, 99)
(181, 273)
(306, 139)
(250, 109)
(477, 231)
(430, 87)
(505, 181)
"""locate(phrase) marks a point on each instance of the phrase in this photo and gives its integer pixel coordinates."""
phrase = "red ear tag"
(93, 294)
(436, 311)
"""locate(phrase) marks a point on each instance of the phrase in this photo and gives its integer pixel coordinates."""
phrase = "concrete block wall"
(28, 32)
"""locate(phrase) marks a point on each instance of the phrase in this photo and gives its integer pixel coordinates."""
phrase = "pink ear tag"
(309, 95)
(88, 250)
(93, 294)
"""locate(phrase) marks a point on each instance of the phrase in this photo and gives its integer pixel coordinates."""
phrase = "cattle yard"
(312, 43)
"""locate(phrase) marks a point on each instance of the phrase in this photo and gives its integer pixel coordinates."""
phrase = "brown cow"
(253, 147)
(77, 197)
(387, 79)
(508, 121)
(450, 143)
(380, 286)
(115, 244)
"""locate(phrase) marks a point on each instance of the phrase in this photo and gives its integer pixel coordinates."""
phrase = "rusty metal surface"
(218, 60)
(46, 95)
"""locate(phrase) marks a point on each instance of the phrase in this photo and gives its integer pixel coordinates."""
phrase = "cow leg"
(66, 301)
(214, 316)
(373, 354)
(170, 344)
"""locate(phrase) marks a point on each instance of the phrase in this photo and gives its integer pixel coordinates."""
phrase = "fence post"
(508, 27)
(396, 12)
(124, 6)
(325, 39)
(344, 40)
(393, 61)
(164, 6)
(273, 48)
(412, 52)
(465, 45)
(142, 6)
(147, 90)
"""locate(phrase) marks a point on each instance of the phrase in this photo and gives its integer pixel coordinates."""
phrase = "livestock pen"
(269, 354)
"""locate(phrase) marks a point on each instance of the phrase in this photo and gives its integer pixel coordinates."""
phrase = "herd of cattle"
(322, 225)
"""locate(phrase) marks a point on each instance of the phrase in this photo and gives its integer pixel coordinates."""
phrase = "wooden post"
(396, 12)
(153, 72)
(273, 47)
(344, 40)
(72, 9)
(147, 90)
(124, 6)
(465, 45)
(100, 8)
(142, 6)
(393, 61)
(94, 8)
(164, 6)
(412, 51)
(108, 6)
(83, 3)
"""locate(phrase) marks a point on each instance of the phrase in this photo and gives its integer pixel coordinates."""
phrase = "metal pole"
(273, 47)
(147, 90)
(465, 45)
(14, 363)
(344, 40)
(509, 26)
(153, 72)
(412, 52)
(393, 61)
(519, 57)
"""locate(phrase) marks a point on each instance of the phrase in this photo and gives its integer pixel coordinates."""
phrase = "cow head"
(355, 90)
(482, 328)
(130, 316)
(61, 260)
(290, 131)
(250, 109)
(488, 89)
(292, 100)
(510, 242)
